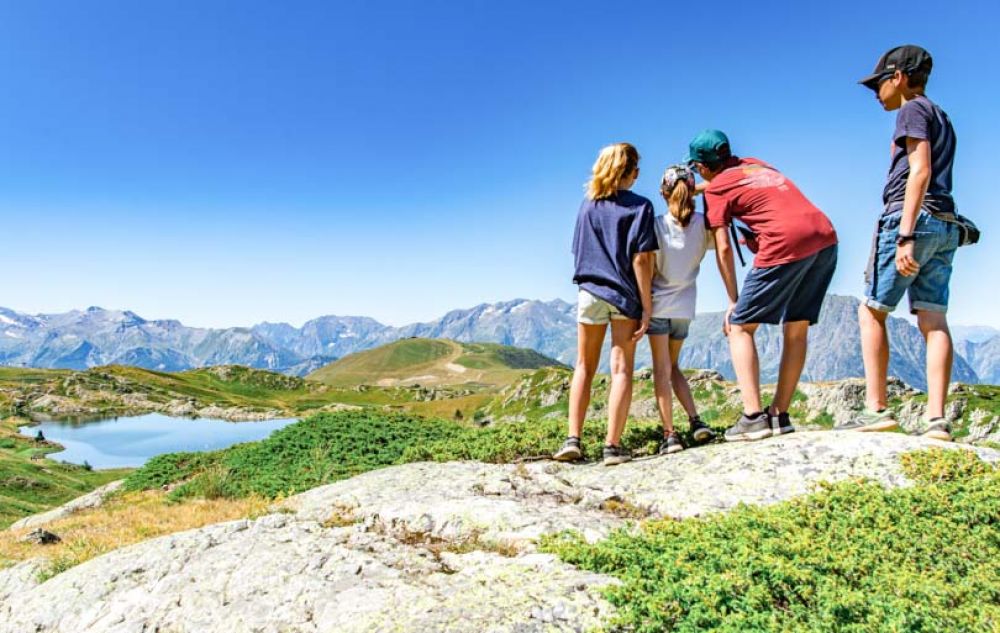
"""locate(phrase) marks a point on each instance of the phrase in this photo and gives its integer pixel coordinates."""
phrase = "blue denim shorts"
(934, 249)
(786, 292)
(674, 328)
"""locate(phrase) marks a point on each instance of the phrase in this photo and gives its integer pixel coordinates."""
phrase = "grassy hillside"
(431, 362)
(29, 486)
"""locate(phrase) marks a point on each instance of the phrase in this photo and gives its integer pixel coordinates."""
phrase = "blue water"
(130, 441)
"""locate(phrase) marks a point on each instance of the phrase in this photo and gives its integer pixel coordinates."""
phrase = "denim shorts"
(786, 292)
(674, 328)
(934, 248)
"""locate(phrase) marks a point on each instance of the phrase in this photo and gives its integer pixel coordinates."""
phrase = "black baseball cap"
(907, 59)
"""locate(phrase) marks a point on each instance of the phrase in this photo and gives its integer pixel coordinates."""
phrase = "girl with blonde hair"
(613, 250)
(683, 241)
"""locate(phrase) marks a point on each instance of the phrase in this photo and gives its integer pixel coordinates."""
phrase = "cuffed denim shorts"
(934, 248)
(786, 293)
(674, 328)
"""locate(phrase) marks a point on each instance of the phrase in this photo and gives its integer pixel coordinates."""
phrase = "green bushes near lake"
(851, 557)
(331, 446)
(316, 451)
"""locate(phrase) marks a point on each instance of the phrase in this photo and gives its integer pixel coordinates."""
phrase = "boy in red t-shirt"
(796, 257)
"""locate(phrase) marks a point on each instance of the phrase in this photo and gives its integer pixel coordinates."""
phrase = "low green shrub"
(316, 451)
(333, 446)
(851, 557)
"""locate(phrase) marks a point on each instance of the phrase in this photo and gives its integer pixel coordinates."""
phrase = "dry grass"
(122, 521)
(624, 508)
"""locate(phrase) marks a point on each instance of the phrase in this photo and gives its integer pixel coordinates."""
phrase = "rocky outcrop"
(428, 547)
(93, 499)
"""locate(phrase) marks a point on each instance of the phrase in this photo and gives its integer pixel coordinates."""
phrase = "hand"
(905, 263)
(725, 320)
(643, 326)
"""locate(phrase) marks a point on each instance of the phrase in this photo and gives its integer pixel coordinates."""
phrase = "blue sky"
(226, 163)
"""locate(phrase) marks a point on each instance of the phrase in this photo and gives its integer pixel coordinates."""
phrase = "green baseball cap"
(710, 146)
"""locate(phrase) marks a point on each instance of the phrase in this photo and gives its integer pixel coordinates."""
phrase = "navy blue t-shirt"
(609, 233)
(921, 118)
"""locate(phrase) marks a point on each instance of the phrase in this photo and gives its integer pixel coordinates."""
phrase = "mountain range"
(86, 338)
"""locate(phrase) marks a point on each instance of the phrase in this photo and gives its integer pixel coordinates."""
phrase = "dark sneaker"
(938, 429)
(614, 455)
(750, 428)
(701, 431)
(671, 444)
(868, 421)
(570, 451)
(780, 424)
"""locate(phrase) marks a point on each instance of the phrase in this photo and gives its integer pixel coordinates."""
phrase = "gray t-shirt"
(921, 118)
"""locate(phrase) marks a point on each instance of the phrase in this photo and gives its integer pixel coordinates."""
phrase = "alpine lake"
(128, 442)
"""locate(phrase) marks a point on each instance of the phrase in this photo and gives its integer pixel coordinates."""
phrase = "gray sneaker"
(868, 421)
(938, 429)
(570, 451)
(780, 424)
(671, 444)
(700, 431)
(614, 455)
(749, 428)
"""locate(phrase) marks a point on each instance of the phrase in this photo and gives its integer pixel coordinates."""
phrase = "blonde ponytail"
(614, 164)
(681, 203)
(677, 188)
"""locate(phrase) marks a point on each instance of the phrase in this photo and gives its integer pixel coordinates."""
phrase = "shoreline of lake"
(130, 441)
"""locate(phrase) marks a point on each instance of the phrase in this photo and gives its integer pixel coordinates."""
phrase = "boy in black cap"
(915, 238)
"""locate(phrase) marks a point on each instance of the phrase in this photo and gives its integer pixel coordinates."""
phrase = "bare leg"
(934, 326)
(681, 387)
(793, 359)
(746, 364)
(622, 367)
(875, 353)
(662, 374)
(589, 339)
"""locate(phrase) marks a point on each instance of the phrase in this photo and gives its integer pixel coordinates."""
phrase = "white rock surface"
(427, 547)
(93, 499)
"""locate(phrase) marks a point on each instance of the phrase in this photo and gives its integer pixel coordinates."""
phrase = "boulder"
(430, 546)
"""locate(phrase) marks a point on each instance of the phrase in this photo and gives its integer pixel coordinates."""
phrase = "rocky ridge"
(81, 339)
(428, 547)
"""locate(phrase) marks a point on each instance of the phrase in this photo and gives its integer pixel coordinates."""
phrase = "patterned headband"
(673, 175)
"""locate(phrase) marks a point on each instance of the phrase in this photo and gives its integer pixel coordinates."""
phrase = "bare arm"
(727, 269)
(724, 258)
(644, 266)
(919, 156)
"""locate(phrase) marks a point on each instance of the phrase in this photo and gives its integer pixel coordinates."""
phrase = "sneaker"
(700, 431)
(938, 429)
(868, 421)
(614, 455)
(671, 444)
(780, 424)
(570, 451)
(749, 428)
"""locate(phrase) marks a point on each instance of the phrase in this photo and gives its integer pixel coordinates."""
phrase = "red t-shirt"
(788, 226)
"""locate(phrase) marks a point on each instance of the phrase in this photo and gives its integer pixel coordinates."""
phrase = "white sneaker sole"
(567, 457)
(614, 461)
(877, 427)
(944, 436)
(749, 437)
(703, 435)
